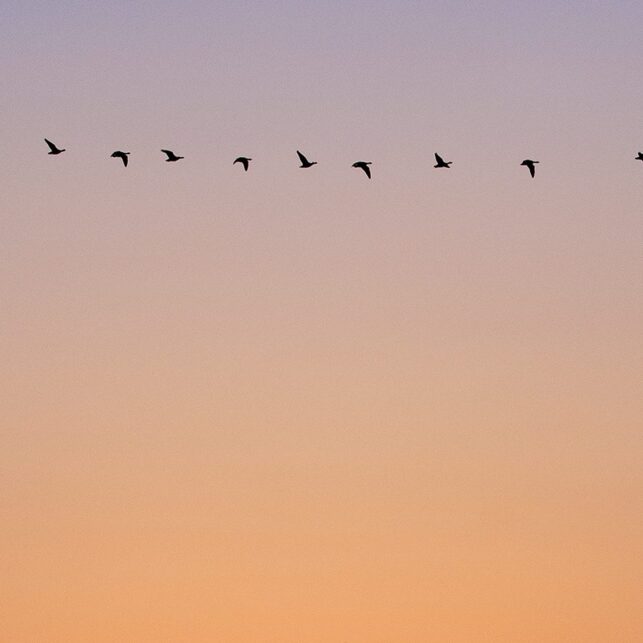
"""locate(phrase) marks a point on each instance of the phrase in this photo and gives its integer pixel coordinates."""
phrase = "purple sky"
(292, 405)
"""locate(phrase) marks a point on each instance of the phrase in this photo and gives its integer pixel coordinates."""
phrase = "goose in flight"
(639, 157)
(171, 156)
(531, 165)
(244, 160)
(120, 155)
(363, 165)
(304, 161)
(440, 162)
(53, 149)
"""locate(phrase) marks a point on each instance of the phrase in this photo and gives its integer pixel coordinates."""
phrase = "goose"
(531, 165)
(53, 149)
(305, 163)
(244, 160)
(363, 165)
(171, 156)
(120, 155)
(440, 162)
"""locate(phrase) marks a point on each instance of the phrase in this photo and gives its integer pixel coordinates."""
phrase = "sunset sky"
(299, 406)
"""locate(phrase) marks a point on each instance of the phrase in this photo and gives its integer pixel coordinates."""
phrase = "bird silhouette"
(531, 165)
(53, 149)
(363, 165)
(440, 162)
(639, 157)
(304, 161)
(120, 155)
(171, 156)
(244, 160)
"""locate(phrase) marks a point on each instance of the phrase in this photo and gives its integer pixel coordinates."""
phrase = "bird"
(440, 162)
(363, 165)
(639, 157)
(244, 160)
(53, 149)
(171, 156)
(304, 161)
(120, 155)
(531, 165)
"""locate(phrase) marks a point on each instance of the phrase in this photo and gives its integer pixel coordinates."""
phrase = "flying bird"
(304, 161)
(639, 157)
(121, 155)
(244, 160)
(363, 165)
(171, 156)
(440, 162)
(53, 149)
(531, 165)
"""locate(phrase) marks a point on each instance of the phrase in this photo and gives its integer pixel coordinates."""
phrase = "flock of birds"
(171, 157)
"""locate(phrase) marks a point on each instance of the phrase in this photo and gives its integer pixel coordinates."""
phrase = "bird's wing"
(361, 165)
(532, 169)
(125, 159)
(438, 159)
(302, 158)
(52, 147)
(245, 162)
(169, 153)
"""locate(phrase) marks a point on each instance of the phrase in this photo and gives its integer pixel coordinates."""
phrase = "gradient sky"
(291, 406)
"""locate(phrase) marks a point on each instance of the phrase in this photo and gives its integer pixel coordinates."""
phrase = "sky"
(299, 405)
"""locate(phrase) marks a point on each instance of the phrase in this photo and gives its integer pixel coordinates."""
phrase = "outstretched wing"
(439, 160)
(168, 153)
(532, 169)
(52, 147)
(125, 159)
(362, 165)
(302, 158)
